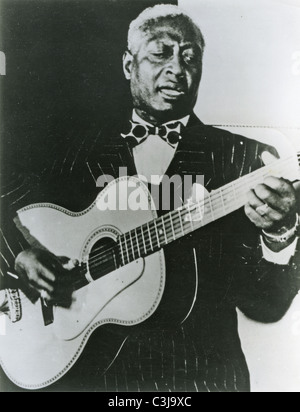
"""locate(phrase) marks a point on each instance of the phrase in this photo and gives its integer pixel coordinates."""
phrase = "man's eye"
(190, 58)
(159, 55)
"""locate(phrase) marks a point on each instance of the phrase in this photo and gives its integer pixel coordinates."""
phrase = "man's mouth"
(171, 92)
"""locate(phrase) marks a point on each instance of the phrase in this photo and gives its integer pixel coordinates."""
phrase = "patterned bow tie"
(171, 133)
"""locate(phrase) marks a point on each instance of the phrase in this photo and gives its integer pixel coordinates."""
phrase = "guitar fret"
(164, 229)
(127, 252)
(133, 252)
(200, 212)
(150, 238)
(143, 237)
(190, 216)
(172, 226)
(180, 220)
(121, 249)
(211, 207)
(239, 199)
(220, 202)
(137, 242)
(157, 236)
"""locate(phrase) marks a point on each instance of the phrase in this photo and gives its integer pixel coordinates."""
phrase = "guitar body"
(119, 285)
(34, 355)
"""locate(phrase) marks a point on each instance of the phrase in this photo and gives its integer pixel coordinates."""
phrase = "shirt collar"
(137, 119)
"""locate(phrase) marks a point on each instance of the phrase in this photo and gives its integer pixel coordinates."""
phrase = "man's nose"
(175, 66)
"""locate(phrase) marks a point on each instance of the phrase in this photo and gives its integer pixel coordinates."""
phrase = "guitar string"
(133, 253)
(186, 209)
(223, 191)
(156, 243)
(165, 236)
(177, 224)
(132, 235)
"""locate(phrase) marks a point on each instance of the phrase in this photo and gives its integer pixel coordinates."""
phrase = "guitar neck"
(179, 223)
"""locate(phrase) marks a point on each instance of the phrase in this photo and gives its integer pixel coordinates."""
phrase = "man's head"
(164, 63)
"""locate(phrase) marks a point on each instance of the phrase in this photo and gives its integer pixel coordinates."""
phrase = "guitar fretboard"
(153, 236)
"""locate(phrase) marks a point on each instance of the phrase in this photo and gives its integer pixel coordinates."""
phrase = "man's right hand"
(43, 274)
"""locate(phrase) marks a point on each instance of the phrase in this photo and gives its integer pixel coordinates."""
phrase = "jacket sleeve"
(262, 290)
(15, 193)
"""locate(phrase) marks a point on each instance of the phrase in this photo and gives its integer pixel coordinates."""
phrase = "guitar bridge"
(47, 311)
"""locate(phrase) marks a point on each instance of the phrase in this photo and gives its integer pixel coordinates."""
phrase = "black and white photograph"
(150, 198)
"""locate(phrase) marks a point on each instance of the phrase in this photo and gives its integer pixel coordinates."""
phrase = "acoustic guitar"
(121, 276)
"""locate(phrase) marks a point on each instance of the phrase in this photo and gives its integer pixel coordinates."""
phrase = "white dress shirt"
(152, 159)
(153, 156)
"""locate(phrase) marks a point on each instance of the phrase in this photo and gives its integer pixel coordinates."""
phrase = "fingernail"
(72, 263)
(75, 262)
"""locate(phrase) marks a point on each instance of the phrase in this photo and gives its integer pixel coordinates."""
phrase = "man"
(246, 260)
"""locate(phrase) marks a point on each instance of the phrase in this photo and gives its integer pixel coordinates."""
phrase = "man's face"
(165, 71)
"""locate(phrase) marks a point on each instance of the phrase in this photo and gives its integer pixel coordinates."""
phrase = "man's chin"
(163, 112)
(171, 112)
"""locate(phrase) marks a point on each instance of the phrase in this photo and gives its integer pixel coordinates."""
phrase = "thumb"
(268, 158)
(71, 264)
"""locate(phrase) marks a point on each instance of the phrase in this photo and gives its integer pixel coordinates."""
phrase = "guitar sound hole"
(103, 258)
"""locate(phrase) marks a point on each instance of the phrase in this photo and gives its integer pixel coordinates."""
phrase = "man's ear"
(127, 64)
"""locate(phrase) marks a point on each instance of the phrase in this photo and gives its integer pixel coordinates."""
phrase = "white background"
(252, 78)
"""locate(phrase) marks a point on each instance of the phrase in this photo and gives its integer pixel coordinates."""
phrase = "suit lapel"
(192, 155)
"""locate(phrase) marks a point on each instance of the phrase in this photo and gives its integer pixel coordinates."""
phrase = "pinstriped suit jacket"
(204, 352)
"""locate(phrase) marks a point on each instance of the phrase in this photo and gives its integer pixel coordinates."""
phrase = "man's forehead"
(168, 32)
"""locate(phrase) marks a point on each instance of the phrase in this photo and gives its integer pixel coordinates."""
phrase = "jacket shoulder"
(237, 141)
(239, 153)
(231, 155)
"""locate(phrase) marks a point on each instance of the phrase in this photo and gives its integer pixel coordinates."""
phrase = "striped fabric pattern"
(202, 353)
